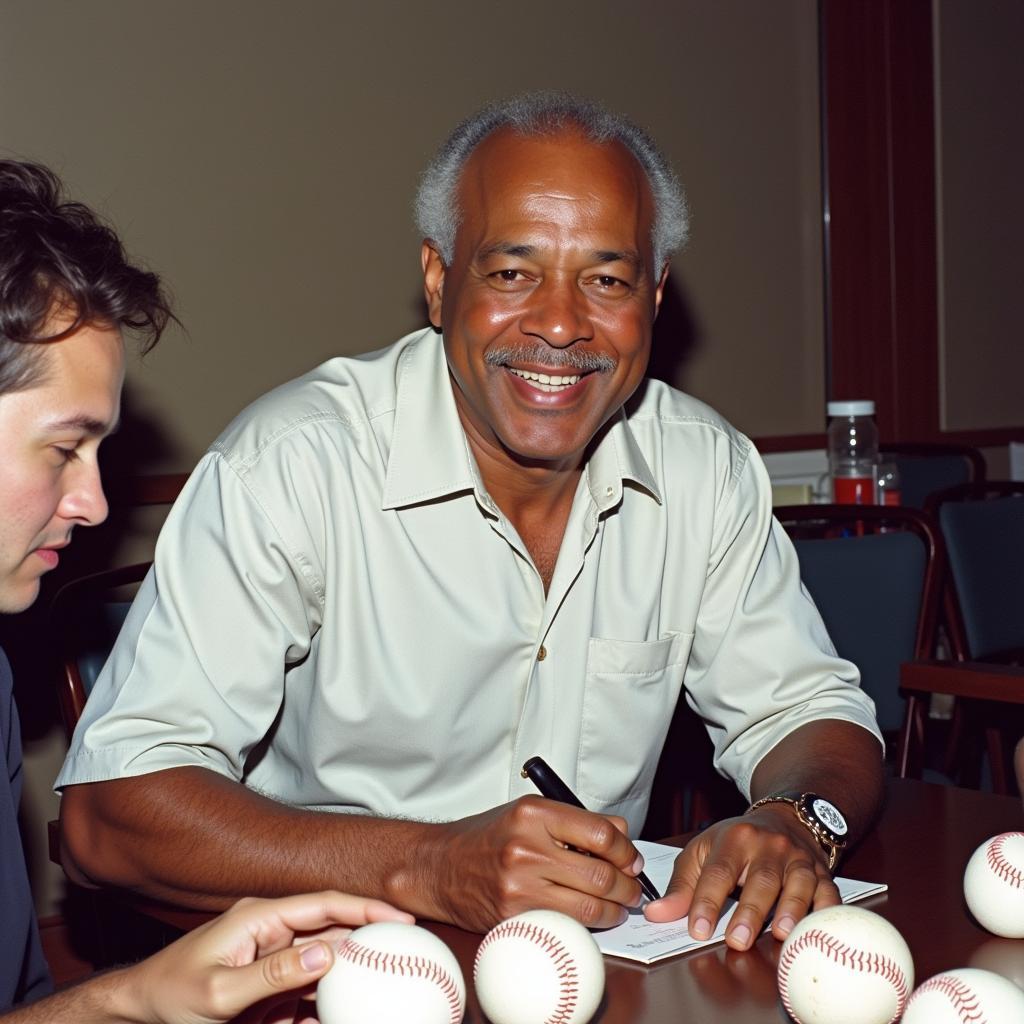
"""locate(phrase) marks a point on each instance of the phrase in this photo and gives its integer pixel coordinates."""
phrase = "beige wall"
(980, 139)
(262, 157)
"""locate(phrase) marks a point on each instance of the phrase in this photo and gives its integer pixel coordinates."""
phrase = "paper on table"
(638, 939)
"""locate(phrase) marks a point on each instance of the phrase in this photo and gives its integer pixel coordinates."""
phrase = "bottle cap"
(861, 407)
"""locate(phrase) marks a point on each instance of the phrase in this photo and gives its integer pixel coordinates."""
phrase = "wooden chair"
(87, 612)
(991, 690)
(86, 615)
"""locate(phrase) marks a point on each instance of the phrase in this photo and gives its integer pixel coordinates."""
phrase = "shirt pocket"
(631, 692)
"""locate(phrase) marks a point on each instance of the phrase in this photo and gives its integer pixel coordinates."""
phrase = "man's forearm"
(100, 1000)
(839, 760)
(193, 838)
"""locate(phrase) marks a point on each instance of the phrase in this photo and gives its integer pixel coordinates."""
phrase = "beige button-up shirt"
(340, 616)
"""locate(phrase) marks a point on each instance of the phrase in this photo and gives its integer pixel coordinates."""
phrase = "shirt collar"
(430, 456)
(617, 457)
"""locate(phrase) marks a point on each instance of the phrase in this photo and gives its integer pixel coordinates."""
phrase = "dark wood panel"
(915, 356)
(881, 244)
(878, 138)
(856, 187)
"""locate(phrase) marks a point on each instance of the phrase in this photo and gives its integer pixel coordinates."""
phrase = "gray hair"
(546, 113)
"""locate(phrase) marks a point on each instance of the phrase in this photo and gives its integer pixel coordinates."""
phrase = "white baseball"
(966, 996)
(392, 973)
(994, 884)
(845, 965)
(540, 967)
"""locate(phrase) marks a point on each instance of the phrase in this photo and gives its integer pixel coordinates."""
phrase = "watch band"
(832, 843)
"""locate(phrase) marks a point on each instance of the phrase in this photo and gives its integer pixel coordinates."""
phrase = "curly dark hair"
(57, 255)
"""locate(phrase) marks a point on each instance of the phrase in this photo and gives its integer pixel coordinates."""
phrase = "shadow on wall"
(677, 337)
(26, 638)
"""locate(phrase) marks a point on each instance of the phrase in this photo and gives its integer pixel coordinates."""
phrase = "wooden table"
(920, 848)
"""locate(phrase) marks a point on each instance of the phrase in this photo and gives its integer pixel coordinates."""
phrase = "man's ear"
(660, 290)
(433, 280)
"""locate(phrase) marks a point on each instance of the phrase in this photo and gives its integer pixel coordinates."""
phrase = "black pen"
(543, 776)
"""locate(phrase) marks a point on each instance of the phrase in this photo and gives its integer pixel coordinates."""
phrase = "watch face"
(828, 814)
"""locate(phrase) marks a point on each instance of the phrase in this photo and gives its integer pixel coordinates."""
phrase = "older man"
(391, 582)
(66, 292)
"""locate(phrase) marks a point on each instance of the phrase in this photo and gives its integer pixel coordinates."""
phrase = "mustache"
(556, 358)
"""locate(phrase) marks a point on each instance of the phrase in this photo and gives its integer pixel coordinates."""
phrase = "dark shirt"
(24, 975)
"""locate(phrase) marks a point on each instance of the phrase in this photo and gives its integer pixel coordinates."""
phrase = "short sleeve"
(197, 675)
(762, 663)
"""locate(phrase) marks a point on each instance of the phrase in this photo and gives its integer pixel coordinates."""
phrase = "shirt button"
(542, 653)
(609, 491)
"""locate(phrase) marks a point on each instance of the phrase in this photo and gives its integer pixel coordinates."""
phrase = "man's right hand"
(533, 854)
(193, 838)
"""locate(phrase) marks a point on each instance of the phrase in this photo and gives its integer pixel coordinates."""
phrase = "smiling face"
(548, 303)
(50, 434)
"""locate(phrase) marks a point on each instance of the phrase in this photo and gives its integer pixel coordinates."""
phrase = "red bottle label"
(853, 490)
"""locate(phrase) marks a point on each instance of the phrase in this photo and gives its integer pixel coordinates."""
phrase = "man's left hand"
(770, 855)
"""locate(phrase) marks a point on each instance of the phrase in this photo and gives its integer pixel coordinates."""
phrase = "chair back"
(87, 615)
(983, 526)
(875, 574)
(926, 468)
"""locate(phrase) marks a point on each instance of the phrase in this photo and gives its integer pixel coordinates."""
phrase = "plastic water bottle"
(852, 452)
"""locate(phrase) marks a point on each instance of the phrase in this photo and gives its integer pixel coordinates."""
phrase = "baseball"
(845, 965)
(392, 973)
(540, 967)
(994, 885)
(967, 994)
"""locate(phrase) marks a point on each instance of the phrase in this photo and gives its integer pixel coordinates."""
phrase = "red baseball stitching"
(409, 967)
(565, 966)
(846, 957)
(959, 993)
(1000, 865)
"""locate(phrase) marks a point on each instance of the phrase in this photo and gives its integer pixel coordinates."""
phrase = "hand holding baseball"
(258, 951)
(392, 973)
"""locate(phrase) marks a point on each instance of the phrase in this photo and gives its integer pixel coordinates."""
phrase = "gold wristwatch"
(820, 816)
